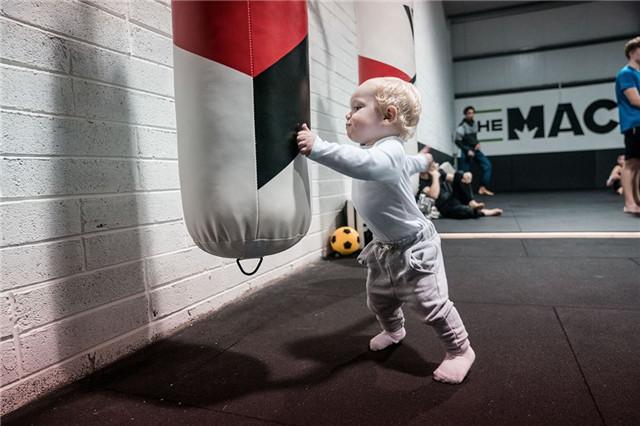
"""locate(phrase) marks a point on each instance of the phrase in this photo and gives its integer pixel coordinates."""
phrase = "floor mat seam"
(575, 357)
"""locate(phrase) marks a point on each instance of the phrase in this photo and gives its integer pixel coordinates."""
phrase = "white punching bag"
(241, 73)
(385, 37)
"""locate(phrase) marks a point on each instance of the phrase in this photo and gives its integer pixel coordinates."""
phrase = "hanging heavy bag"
(241, 73)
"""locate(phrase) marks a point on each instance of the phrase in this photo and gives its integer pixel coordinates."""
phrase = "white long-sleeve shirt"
(382, 192)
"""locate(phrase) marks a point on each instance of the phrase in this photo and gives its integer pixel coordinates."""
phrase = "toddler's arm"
(383, 162)
(419, 163)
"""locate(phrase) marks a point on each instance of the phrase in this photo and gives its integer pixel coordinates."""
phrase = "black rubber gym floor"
(554, 323)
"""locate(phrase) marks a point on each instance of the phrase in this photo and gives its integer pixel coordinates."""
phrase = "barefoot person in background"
(615, 177)
(452, 194)
(628, 97)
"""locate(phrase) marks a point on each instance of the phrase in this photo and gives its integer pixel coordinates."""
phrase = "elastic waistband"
(427, 232)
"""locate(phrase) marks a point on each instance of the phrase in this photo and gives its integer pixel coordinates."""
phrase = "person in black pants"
(628, 98)
(452, 194)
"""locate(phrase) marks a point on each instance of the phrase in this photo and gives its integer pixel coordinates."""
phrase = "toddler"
(404, 260)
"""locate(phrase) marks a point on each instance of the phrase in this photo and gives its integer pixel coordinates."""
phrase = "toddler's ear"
(391, 114)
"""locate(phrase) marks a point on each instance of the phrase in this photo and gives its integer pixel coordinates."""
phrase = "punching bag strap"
(251, 273)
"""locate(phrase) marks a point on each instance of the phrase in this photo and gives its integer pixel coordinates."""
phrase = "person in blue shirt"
(628, 97)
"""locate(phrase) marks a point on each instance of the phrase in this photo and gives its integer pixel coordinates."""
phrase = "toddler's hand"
(305, 140)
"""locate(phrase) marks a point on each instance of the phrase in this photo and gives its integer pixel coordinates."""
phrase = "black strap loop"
(251, 273)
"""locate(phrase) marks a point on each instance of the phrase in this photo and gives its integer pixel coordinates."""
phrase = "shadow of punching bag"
(241, 72)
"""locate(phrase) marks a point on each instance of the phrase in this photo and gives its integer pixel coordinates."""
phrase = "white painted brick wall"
(152, 46)
(170, 267)
(47, 261)
(30, 221)
(56, 136)
(6, 326)
(152, 15)
(9, 371)
(33, 306)
(120, 211)
(95, 259)
(57, 341)
(23, 89)
(44, 51)
(120, 69)
(116, 7)
(104, 102)
(110, 248)
(155, 143)
(72, 19)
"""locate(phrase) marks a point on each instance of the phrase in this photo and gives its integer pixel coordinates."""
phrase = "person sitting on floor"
(615, 177)
(452, 194)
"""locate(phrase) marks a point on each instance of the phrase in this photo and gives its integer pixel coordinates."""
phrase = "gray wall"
(575, 23)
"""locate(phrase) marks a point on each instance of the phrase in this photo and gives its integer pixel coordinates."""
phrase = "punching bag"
(241, 73)
(385, 37)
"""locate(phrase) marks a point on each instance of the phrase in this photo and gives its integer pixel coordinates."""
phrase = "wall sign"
(556, 120)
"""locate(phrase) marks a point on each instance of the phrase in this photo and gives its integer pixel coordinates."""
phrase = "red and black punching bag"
(385, 37)
(241, 72)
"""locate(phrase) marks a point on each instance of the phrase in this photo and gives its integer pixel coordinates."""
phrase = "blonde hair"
(402, 95)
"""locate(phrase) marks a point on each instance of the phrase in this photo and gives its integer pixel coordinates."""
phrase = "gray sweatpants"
(412, 271)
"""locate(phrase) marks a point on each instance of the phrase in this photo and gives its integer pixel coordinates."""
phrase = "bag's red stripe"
(220, 31)
(278, 27)
(370, 68)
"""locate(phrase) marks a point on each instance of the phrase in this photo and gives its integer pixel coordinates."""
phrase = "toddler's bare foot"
(455, 367)
(385, 339)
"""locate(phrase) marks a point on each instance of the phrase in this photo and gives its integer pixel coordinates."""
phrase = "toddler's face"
(365, 124)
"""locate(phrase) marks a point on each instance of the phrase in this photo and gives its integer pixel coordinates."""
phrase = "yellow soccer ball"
(345, 240)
